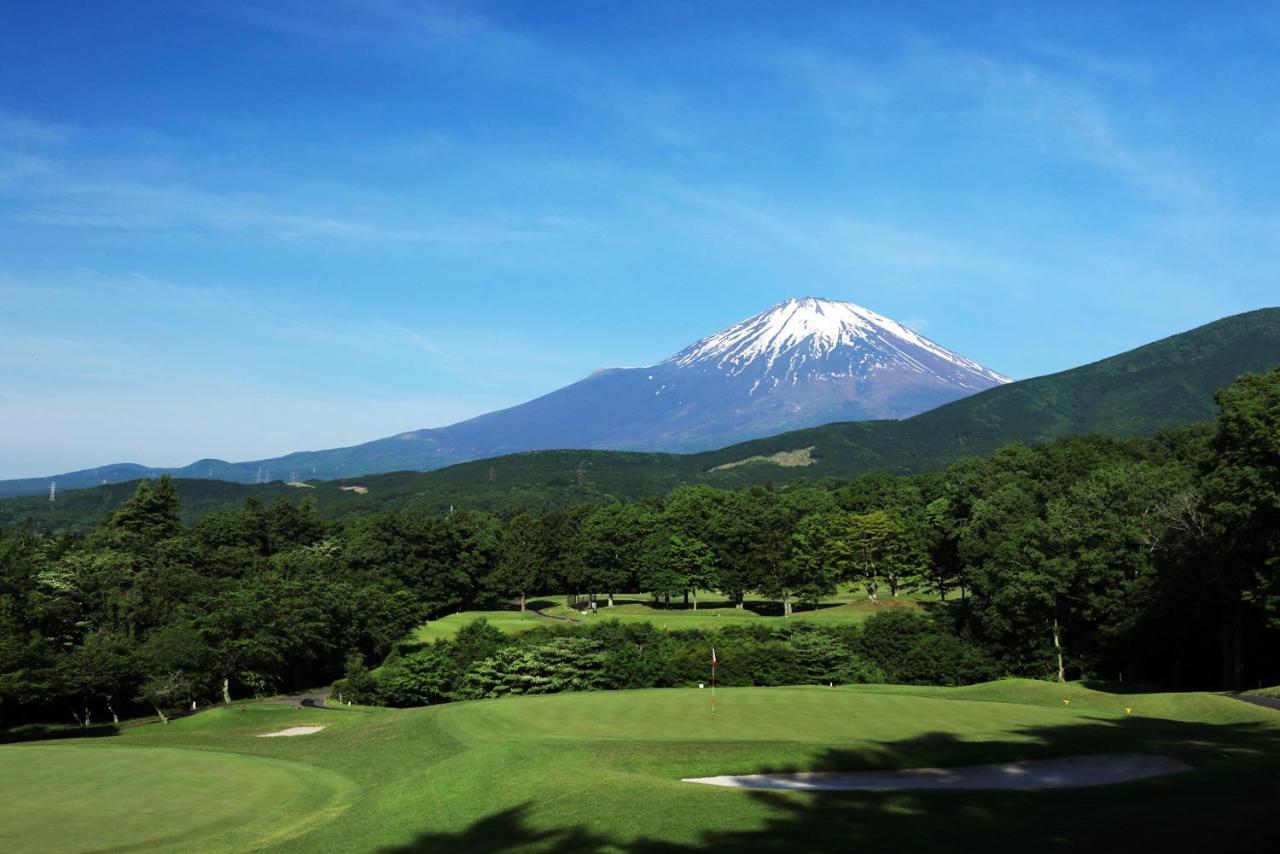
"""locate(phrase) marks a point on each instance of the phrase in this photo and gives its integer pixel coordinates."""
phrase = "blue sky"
(239, 229)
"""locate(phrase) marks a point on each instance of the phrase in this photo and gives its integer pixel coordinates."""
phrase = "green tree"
(149, 516)
(98, 669)
(419, 679)
(611, 547)
(522, 564)
(818, 559)
(1243, 495)
(876, 546)
(693, 563)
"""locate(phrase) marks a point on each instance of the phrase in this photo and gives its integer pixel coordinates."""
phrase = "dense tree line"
(1153, 559)
(481, 662)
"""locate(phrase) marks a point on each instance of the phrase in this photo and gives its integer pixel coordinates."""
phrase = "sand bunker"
(292, 731)
(1097, 770)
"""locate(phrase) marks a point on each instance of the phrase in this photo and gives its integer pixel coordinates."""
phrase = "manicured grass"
(713, 611)
(602, 771)
(511, 622)
(72, 796)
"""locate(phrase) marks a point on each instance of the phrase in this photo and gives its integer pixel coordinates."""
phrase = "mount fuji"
(802, 363)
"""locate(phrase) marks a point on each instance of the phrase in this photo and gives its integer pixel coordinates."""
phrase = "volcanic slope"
(802, 363)
(1171, 382)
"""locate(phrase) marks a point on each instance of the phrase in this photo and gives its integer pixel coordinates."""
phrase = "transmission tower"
(53, 490)
(582, 473)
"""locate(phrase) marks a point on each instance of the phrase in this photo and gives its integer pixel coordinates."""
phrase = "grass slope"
(713, 612)
(602, 771)
(1167, 383)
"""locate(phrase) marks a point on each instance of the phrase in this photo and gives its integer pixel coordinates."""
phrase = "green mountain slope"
(1167, 383)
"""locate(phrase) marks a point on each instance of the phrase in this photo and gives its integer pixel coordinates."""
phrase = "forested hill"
(1167, 383)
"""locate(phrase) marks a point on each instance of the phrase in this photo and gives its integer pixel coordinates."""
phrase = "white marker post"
(713, 683)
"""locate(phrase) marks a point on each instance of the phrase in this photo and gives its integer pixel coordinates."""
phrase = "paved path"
(1096, 770)
(555, 616)
(1265, 702)
(316, 698)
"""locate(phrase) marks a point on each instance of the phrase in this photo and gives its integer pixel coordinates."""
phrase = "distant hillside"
(1168, 383)
(802, 363)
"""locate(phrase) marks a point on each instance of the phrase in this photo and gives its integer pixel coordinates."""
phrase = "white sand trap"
(292, 731)
(1096, 770)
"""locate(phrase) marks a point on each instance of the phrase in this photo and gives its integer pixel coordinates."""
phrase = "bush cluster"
(482, 663)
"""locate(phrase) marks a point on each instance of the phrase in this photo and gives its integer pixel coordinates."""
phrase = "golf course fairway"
(602, 772)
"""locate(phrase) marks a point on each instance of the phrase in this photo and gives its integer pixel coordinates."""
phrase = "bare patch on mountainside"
(786, 459)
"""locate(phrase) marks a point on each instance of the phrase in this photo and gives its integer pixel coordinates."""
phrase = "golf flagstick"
(713, 683)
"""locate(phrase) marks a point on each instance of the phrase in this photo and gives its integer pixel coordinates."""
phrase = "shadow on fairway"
(49, 732)
(506, 831)
(1232, 795)
(1119, 687)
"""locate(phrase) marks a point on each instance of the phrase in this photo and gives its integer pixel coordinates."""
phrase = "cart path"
(1266, 702)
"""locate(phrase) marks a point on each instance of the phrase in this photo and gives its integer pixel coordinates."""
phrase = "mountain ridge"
(800, 363)
(1167, 383)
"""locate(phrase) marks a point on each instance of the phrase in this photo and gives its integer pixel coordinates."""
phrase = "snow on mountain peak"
(829, 337)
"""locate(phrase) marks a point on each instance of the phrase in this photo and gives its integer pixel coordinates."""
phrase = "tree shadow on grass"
(55, 732)
(1231, 797)
(508, 830)
(1108, 687)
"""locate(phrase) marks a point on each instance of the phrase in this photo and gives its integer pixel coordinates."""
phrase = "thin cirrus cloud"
(134, 206)
(415, 33)
(468, 205)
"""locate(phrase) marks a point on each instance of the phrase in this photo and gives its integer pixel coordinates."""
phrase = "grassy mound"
(81, 796)
(712, 613)
(603, 771)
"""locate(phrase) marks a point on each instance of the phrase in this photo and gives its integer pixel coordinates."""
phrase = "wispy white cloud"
(19, 129)
(414, 32)
(127, 205)
(837, 238)
(1008, 102)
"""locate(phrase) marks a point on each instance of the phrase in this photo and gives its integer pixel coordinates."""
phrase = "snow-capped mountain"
(802, 363)
(820, 339)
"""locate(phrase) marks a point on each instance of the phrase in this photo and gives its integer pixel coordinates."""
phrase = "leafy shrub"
(564, 664)
(942, 659)
(418, 679)
(358, 684)
(475, 641)
(770, 662)
(824, 656)
(912, 649)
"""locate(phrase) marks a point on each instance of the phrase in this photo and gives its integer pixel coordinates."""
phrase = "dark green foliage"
(825, 657)
(562, 664)
(1167, 383)
(1089, 557)
(358, 684)
(475, 641)
(420, 678)
(942, 659)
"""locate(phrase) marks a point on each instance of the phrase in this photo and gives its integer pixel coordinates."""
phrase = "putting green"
(602, 771)
(713, 614)
(743, 714)
(87, 797)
